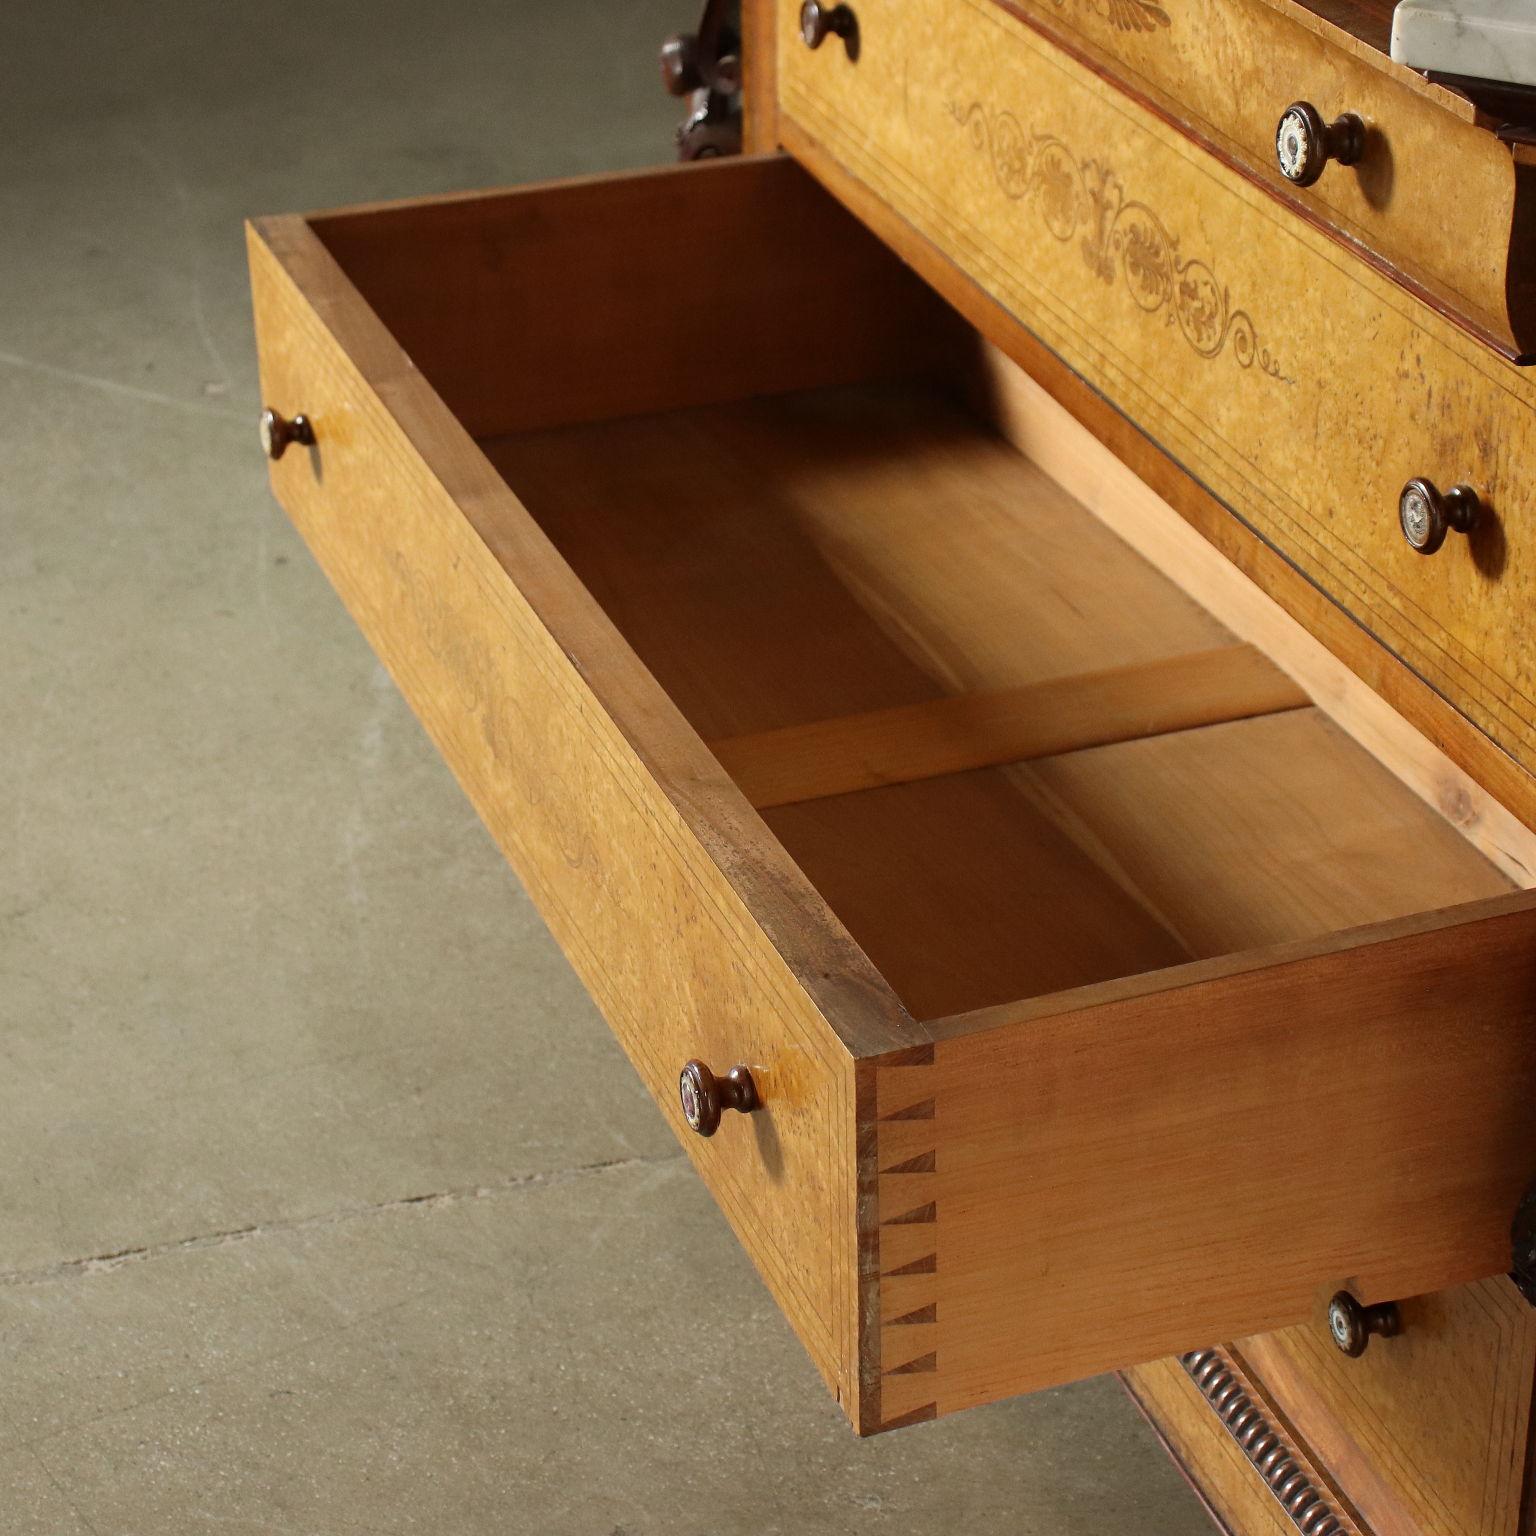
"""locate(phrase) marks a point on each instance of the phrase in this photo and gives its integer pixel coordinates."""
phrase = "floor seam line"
(107, 1263)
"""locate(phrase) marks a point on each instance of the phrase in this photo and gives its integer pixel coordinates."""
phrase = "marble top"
(1485, 39)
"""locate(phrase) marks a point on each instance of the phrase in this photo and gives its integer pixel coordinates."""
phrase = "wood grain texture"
(1224, 71)
(991, 889)
(760, 62)
(1125, 1178)
(567, 646)
(1232, 1487)
(509, 302)
(1370, 21)
(1055, 441)
(1426, 1431)
(1225, 1481)
(966, 893)
(1363, 28)
(564, 745)
(777, 562)
(982, 730)
(1259, 832)
(1449, 736)
(1250, 409)
(900, 1272)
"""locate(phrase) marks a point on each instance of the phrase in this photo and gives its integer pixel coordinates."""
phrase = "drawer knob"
(1426, 515)
(705, 1097)
(1353, 1326)
(1304, 143)
(278, 431)
(1522, 1245)
(819, 22)
(681, 74)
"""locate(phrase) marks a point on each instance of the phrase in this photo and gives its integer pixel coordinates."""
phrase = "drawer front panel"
(667, 948)
(1425, 1431)
(1229, 68)
(1300, 386)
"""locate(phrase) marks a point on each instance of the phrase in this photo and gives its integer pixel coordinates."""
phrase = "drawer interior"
(1104, 998)
(869, 605)
(1012, 756)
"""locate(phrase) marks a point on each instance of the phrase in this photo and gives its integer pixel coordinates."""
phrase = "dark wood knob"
(1304, 143)
(705, 1097)
(1522, 1246)
(1353, 1326)
(278, 431)
(1426, 515)
(819, 22)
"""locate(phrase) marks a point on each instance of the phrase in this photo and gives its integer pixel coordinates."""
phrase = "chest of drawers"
(925, 616)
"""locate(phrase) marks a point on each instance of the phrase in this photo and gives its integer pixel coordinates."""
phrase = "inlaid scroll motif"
(1120, 239)
(1127, 15)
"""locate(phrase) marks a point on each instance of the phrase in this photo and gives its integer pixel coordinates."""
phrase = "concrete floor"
(328, 1203)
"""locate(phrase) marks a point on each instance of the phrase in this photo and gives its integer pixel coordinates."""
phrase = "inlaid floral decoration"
(1120, 239)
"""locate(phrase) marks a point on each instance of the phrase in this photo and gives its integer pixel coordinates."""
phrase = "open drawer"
(1102, 998)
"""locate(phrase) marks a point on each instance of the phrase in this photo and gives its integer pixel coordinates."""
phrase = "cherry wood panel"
(1136, 1169)
(777, 562)
(966, 892)
(1260, 832)
(981, 730)
(510, 302)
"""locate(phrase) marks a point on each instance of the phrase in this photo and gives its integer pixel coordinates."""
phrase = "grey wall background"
(328, 1204)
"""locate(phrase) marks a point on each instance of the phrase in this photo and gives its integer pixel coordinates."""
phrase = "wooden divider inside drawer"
(1031, 898)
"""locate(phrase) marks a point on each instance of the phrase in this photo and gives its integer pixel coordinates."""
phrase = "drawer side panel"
(1171, 1163)
(658, 934)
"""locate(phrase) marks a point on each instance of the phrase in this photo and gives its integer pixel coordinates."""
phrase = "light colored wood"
(1225, 70)
(1447, 731)
(1260, 832)
(985, 889)
(1167, 272)
(981, 730)
(1054, 440)
(770, 568)
(1224, 1477)
(760, 96)
(900, 1273)
(536, 704)
(964, 892)
(567, 653)
(1362, 29)
(777, 562)
(509, 301)
(1231, 1489)
(1426, 1431)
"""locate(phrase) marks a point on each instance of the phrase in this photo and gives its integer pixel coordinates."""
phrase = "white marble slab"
(1487, 39)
